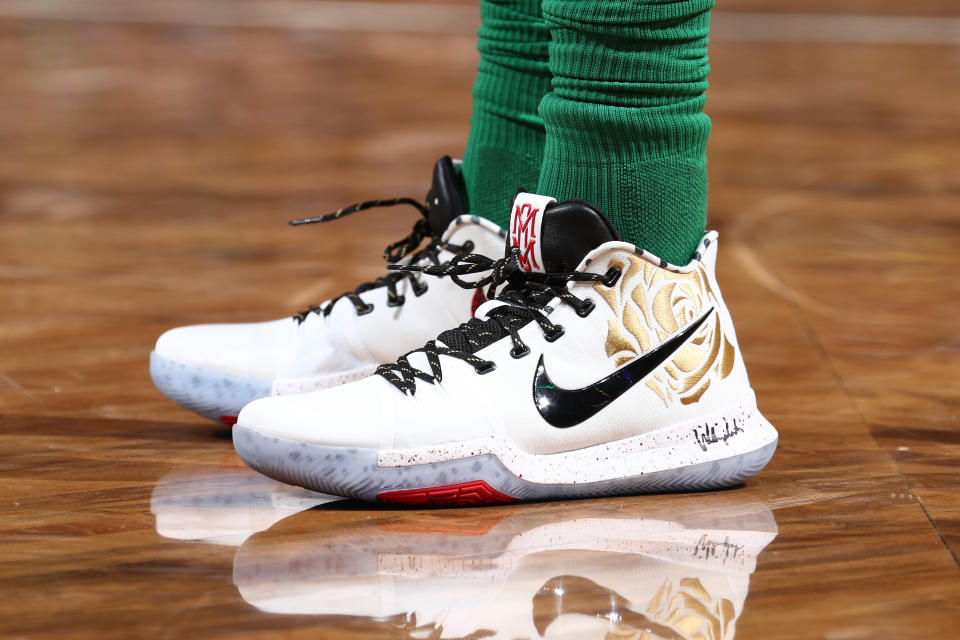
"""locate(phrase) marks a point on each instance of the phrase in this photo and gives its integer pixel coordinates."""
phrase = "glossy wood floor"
(149, 164)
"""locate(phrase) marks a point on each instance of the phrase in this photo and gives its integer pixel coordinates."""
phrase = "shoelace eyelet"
(554, 335)
(395, 302)
(362, 311)
(610, 277)
(587, 308)
(517, 354)
(486, 368)
(419, 288)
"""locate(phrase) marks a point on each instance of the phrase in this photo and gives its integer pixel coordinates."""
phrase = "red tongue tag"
(526, 226)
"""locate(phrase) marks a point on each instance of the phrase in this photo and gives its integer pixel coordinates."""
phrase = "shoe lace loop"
(525, 299)
(394, 252)
(501, 270)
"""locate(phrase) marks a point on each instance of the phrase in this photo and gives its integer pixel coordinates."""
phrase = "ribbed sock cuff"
(624, 122)
(506, 140)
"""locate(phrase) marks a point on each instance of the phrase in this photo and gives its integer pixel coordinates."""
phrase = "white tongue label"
(526, 226)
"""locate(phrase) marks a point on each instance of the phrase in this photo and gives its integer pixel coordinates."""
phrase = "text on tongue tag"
(526, 229)
(523, 234)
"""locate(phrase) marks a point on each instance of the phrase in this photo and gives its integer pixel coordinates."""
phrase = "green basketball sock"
(625, 127)
(506, 140)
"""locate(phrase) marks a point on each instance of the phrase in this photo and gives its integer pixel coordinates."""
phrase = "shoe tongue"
(555, 236)
(443, 199)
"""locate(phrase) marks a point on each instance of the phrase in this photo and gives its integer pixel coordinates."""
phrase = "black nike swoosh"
(568, 407)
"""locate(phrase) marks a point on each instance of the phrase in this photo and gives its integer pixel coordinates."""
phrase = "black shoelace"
(525, 298)
(393, 253)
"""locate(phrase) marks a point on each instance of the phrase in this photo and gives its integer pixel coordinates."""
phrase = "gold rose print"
(680, 610)
(652, 304)
(690, 609)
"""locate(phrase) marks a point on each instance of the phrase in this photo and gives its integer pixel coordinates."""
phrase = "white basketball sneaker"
(216, 369)
(598, 369)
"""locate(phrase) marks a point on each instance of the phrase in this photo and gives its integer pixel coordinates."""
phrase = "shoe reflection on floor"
(649, 567)
(224, 506)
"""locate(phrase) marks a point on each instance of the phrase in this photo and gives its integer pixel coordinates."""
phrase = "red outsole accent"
(465, 493)
(228, 420)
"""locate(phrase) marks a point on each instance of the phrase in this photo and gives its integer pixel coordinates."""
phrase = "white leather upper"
(467, 406)
(342, 341)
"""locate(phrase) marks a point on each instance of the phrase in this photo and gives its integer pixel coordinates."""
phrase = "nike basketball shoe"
(215, 369)
(597, 369)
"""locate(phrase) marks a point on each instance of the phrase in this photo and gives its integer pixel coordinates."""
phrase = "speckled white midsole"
(734, 431)
(288, 386)
(718, 451)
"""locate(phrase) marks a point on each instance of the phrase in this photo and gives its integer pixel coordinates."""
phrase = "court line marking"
(383, 17)
(379, 17)
(837, 29)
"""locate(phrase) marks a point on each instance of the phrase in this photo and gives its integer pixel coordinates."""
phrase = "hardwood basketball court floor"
(152, 153)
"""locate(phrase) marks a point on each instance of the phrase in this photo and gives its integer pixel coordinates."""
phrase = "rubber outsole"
(210, 393)
(355, 473)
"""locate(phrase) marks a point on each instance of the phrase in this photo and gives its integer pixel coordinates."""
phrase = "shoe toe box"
(245, 349)
(345, 416)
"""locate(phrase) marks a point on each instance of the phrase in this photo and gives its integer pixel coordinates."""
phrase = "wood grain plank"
(147, 176)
